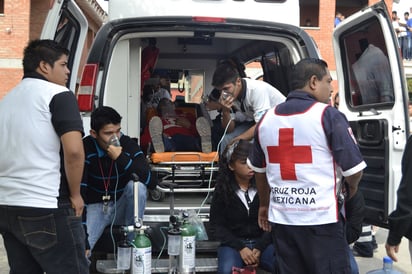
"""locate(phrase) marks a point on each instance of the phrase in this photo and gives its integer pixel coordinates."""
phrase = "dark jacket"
(131, 160)
(355, 213)
(400, 220)
(231, 223)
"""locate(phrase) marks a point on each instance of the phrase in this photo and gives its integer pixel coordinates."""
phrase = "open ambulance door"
(66, 24)
(373, 96)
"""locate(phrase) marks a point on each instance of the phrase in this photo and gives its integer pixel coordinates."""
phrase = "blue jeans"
(403, 44)
(353, 264)
(122, 213)
(229, 257)
(39, 240)
(408, 46)
(228, 137)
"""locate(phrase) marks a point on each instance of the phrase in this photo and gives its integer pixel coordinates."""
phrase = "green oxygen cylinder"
(187, 261)
(142, 254)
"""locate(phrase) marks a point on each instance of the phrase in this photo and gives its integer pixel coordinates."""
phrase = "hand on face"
(103, 137)
(226, 101)
(114, 151)
(229, 92)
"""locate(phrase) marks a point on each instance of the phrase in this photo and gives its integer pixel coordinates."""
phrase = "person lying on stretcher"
(173, 130)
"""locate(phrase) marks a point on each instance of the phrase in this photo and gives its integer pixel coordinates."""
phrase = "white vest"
(299, 167)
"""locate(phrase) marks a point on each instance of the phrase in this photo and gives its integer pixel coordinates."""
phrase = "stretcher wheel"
(156, 195)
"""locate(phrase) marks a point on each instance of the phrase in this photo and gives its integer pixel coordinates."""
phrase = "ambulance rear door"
(66, 24)
(373, 96)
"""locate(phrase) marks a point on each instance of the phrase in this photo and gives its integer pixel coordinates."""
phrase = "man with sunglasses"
(243, 100)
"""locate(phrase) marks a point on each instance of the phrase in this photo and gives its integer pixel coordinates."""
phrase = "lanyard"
(106, 182)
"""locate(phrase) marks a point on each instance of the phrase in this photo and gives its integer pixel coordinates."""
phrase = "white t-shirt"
(33, 116)
(260, 96)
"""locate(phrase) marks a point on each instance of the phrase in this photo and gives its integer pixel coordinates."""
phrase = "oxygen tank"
(142, 254)
(187, 247)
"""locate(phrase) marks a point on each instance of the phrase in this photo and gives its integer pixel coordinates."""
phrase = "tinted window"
(67, 34)
(366, 58)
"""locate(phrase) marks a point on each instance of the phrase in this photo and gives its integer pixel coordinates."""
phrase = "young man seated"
(173, 130)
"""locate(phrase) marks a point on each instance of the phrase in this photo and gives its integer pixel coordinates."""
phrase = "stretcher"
(183, 172)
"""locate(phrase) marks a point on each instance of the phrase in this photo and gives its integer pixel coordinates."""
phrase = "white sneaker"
(205, 133)
(156, 133)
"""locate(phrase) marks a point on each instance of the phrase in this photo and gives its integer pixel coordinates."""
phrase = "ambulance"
(193, 36)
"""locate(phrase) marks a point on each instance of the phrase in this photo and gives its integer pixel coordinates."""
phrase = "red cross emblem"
(287, 155)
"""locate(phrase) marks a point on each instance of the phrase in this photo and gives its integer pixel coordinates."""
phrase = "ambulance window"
(367, 67)
(254, 70)
(67, 34)
(186, 83)
(192, 83)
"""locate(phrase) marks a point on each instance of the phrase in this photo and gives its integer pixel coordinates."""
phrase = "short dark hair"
(235, 63)
(102, 116)
(224, 73)
(305, 69)
(45, 50)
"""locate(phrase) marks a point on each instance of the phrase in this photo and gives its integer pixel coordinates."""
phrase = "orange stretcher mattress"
(184, 157)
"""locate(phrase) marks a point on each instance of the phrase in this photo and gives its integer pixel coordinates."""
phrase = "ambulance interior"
(189, 63)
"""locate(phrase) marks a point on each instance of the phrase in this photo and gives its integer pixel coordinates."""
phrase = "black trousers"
(317, 249)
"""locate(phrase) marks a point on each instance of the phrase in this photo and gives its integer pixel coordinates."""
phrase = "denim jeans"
(229, 257)
(408, 46)
(353, 264)
(39, 240)
(228, 137)
(121, 211)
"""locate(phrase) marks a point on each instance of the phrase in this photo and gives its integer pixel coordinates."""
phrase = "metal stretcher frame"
(185, 171)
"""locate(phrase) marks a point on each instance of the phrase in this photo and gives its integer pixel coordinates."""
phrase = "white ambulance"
(192, 36)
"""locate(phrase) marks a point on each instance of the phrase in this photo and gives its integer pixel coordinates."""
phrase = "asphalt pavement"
(404, 264)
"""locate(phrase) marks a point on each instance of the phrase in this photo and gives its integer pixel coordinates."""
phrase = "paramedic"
(107, 185)
(400, 220)
(243, 242)
(249, 98)
(299, 144)
(41, 164)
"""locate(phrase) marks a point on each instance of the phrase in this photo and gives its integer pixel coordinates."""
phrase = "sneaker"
(156, 132)
(358, 252)
(205, 133)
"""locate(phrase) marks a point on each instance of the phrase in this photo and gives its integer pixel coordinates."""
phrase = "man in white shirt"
(41, 165)
(243, 100)
(401, 33)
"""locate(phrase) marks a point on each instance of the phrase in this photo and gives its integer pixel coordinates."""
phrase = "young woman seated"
(234, 214)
